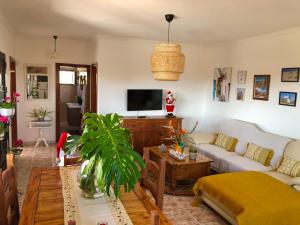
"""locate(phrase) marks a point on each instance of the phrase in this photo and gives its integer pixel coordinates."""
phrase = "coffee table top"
(200, 158)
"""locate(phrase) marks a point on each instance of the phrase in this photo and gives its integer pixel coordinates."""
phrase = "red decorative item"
(170, 104)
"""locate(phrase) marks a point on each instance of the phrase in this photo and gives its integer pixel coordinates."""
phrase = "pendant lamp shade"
(167, 62)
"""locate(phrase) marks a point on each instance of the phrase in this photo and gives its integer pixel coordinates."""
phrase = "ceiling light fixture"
(54, 54)
(167, 61)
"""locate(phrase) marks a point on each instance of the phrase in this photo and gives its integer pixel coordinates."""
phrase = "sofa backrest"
(292, 150)
(247, 132)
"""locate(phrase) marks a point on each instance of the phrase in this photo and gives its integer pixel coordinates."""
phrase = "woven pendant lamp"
(167, 61)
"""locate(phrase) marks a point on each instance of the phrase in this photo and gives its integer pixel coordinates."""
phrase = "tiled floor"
(177, 209)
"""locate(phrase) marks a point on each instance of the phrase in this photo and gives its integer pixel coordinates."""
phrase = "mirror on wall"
(37, 81)
(2, 76)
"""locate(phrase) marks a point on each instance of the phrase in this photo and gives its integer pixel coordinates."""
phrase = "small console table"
(40, 125)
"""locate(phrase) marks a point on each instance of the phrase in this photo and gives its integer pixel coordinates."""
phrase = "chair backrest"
(71, 222)
(154, 217)
(9, 206)
(154, 177)
(72, 161)
(10, 160)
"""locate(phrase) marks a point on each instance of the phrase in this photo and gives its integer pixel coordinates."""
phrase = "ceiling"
(198, 21)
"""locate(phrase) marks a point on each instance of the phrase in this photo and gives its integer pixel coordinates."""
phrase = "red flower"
(19, 143)
(4, 119)
(16, 94)
(7, 98)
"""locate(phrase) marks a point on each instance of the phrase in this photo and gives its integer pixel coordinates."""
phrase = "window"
(66, 77)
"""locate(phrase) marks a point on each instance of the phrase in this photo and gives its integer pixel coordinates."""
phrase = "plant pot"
(7, 112)
(90, 179)
(1, 136)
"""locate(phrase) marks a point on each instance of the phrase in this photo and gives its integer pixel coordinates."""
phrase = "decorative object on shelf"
(221, 84)
(192, 153)
(240, 94)
(37, 81)
(241, 76)
(39, 113)
(7, 107)
(290, 74)
(170, 104)
(17, 147)
(167, 61)
(287, 98)
(176, 155)
(178, 136)
(163, 148)
(4, 120)
(109, 157)
(79, 100)
(261, 87)
(54, 54)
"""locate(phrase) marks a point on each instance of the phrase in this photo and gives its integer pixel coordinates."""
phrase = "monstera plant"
(109, 158)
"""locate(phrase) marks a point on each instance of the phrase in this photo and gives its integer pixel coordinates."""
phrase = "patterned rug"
(177, 208)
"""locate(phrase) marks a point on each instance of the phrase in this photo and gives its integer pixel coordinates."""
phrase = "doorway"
(73, 97)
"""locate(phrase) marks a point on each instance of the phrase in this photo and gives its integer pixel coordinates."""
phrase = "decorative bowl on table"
(177, 155)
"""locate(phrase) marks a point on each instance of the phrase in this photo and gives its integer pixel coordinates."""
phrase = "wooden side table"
(181, 171)
(40, 125)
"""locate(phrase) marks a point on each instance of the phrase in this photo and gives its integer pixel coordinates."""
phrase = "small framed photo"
(261, 87)
(287, 98)
(290, 74)
(242, 76)
(240, 94)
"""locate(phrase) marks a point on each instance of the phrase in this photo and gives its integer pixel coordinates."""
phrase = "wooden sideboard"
(149, 131)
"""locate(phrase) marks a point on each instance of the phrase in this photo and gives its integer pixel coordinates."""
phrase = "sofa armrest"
(201, 138)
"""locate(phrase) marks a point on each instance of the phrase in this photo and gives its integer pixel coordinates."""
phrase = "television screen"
(144, 99)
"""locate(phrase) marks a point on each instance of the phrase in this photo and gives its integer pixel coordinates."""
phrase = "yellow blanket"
(254, 198)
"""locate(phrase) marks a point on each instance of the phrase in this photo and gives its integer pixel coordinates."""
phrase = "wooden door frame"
(13, 89)
(57, 86)
(94, 87)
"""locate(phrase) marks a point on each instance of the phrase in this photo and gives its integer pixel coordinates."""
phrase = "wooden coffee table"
(181, 175)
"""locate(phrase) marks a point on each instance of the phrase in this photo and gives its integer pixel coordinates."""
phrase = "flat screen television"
(144, 99)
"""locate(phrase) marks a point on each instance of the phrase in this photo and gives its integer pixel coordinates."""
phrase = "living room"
(245, 38)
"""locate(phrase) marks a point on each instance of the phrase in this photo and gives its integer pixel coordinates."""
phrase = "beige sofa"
(245, 132)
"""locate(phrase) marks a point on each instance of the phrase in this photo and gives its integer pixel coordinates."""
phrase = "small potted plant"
(3, 125)
(17, 147)
(7, 107)
(108, 155)
(40, 113)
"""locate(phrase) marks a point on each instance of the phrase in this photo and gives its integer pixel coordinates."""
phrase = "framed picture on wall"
(240, 94)
(241, 79)
(287, 98)
(261, 87)
(290, 74)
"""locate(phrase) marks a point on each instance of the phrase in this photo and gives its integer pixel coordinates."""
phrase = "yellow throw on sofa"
(252, 198)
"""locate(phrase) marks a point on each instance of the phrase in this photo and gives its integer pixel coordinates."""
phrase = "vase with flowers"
(17, 147)
(7, 107)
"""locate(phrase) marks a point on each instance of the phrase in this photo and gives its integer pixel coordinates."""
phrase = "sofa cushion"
(239, 163)
(247, 132)
(215, 153)
(280, 176)
(259, 154)
(201, 138)
(293, 150)
(289, 167)
(226, 142)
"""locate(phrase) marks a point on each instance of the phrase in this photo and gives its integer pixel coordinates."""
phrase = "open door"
(13, 89)
(94, 85)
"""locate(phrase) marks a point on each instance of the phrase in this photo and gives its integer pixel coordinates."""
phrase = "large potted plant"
(39, 113)
(108, 155)
(7, 107)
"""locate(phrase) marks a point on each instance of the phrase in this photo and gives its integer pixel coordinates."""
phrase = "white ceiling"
(199, 21)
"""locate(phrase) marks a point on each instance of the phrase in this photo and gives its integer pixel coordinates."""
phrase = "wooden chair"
(9, 205)
(71, 222)
(154, 217)
(153, 178)
(73, 161)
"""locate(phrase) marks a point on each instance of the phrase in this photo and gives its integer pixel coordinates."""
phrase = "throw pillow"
(259, 154)
(226, 142)
(289, 167)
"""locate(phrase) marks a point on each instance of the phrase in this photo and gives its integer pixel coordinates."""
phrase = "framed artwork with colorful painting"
(261, 87)
(290, 74)
(287, 98)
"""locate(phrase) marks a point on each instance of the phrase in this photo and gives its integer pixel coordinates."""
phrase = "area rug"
(177, 208)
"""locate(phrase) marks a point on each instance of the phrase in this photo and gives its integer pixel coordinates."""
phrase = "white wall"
(36, 50)
(125, 64)
(266, 54)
